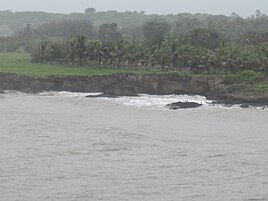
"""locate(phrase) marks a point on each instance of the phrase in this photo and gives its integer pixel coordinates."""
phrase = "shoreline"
(218, 88)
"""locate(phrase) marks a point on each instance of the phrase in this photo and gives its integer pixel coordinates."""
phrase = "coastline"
(221, 89)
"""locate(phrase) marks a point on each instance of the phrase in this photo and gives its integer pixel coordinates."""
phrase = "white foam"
(67, 94)
(159, 101)
(143, 100)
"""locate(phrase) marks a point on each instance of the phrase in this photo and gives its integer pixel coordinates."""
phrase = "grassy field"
(20, 63)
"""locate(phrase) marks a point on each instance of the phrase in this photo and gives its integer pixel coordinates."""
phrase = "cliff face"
(133, 84)
(150, 84)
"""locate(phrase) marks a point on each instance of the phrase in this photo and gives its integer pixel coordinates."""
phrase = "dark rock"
(2, 91)
(183, 105)
(244, 106)
(253, 105)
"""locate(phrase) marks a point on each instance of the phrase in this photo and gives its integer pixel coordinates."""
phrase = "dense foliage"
(171, 53)
(198, 43)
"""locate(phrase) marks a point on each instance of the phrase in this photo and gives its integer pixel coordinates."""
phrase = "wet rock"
(244, 106)
(183, 105)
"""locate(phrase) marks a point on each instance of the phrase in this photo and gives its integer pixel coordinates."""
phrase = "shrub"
(248, 76)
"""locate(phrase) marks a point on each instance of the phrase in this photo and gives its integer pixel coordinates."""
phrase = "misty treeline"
(201, 43)
(130, 23)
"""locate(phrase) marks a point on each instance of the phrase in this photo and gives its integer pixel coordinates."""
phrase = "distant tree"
(234, 15)
(28, 30)
(203, 37)
(258, 13)
(90, 10)
(155, 31)
(253, 38)
(69, 28)
(132, 32)
(80, 49)
(26, 33)
(109, 32)
(186, 24)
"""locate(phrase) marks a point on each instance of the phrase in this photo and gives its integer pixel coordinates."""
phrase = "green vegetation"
(201, 55)
(229, 49)
(20, 63)
(247, 82)
(118, 41)
(248, 76)
(261, 87)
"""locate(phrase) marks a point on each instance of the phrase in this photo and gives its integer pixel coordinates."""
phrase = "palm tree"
(81, 48)
(264, 51)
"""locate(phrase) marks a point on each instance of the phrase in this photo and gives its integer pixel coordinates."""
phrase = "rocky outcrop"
(213, 87)
(173, 84)
(246, 100)
(238, 94)
(53, 83)
(183, 105)
(118, 84)
(122, 85)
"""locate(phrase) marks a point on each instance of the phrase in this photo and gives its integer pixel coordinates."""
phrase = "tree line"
(197, 43)
(130, 25)
(198, 51)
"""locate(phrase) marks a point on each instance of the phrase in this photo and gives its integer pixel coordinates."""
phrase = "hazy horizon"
(241, 7)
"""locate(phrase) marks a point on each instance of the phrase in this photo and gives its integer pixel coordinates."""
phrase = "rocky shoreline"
(134, 84)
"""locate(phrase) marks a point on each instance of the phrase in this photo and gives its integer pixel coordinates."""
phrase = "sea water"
(61, 146)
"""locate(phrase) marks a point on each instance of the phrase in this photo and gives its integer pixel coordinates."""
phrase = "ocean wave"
(143, 100)
(160, 101)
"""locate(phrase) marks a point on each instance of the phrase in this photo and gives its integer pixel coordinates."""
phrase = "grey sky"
(242, 7)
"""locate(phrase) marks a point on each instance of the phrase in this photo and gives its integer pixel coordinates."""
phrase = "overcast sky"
(241, 7)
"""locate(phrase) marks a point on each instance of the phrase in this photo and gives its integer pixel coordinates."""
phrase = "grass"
(262, 87)
(249, 76)
(20, 63)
